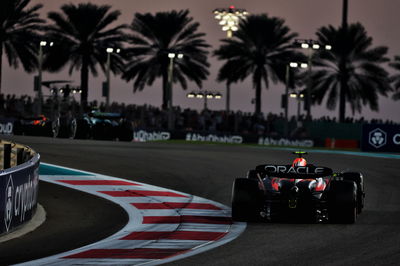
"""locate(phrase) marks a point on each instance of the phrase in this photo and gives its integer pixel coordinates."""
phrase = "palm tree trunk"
(258, 97)
(1, 63)
(342, 100)
(84, 81)
(165, 90)
(345, 13)
(342, 67)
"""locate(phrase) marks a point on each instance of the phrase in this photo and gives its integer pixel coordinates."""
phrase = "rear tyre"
(67, 127)
(83, 129)
(246, 200)
(125, 131)
(53, 128)
(252, 174)
(359, 180)
(72, 129)
(342, 202)
(17, 128)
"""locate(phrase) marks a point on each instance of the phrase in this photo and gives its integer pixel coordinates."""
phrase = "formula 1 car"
(37, 126)
(298, 192)
(104, 126)
(60, 127)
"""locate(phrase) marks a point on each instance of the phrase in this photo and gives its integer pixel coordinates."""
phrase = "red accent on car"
(275, 183)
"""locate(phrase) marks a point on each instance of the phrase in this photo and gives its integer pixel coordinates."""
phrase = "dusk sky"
(380, 18)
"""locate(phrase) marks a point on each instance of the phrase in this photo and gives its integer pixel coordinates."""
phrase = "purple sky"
(380, 18)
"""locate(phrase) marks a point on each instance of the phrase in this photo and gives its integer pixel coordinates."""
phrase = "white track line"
(164, 225)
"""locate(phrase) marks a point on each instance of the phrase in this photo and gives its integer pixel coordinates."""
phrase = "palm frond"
(362, 73)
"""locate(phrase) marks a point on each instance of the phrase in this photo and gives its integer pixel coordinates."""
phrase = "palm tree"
(351, 72)
(395, 79)
(153, 37)
(261, 48)
(82, 33)
(19, 38)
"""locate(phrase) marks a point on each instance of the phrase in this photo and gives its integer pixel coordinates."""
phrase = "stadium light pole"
(40, 70)
(109, 51)
(311, 46)
(206, 95)
(299, 96)
(171, 57)
(287, 79)
(229, 19)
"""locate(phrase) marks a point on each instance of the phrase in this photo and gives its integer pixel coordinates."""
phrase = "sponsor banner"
(306, 143)
(380, 138)
(144, 136)
(219, 138)
(6, 126)
(190, 136)
(18, 196)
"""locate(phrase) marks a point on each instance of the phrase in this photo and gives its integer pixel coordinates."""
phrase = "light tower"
(229, 19)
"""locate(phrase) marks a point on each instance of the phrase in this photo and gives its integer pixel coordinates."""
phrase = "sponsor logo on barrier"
(6, 128)
(214, 138)
(377, 138)
(143, 136)
(8, 210)
(380, 138)
(25, 197)
(396, 139)
(286, 142)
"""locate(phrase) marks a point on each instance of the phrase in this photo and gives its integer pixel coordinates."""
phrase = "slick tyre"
(359, 180)
(72, 129)
(17, 128)
(53, 128)
(125, 131)
(252, 174)
(342, 202)
(246, 200)
(67, 128)
(83, 129)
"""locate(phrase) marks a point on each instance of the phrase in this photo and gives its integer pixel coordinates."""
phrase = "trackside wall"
(19, 186)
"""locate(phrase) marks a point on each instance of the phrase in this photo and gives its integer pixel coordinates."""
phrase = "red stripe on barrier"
(98, 182)
(178, 235)
(142, 193)
(176, 205)
(186, 219)
(137, 253)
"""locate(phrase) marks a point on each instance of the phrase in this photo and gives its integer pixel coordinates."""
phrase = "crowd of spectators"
(154, 118)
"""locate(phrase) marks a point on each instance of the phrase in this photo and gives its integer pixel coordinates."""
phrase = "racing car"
(103, 126)
(37, 126)
(41, 125)
(298, 192)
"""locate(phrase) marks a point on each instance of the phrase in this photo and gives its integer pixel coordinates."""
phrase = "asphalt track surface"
(208, 171)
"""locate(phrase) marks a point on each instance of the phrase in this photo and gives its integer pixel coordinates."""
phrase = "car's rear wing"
(289, 171)
(104, 115)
